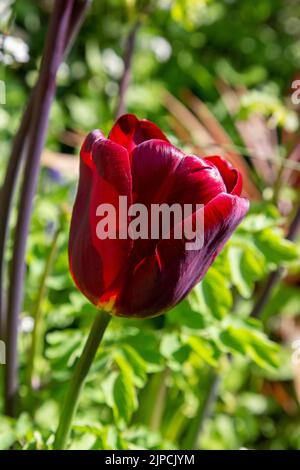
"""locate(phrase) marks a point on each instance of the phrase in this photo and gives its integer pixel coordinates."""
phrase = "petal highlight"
(231, 176)
(129, 131)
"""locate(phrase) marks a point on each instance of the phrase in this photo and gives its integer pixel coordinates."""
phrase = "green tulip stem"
(80, 373)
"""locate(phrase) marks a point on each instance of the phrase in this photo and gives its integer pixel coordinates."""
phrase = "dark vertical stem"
(204, 410)
(124, 82)
(78, 15)
(7, 193)
(15, 160)
(40, 115)
(295, 226)
(265, 293)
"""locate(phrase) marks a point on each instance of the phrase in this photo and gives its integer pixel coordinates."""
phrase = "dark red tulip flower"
(145, 277)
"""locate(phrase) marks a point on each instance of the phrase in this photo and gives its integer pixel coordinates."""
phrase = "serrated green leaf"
(146, 344)
(253, 343)
(240, 281)
(136, 363)
(275, 248)
(246, 267)
(170, 344)
(63, 343)
(205, 349)
(217, 296)
(124, 398)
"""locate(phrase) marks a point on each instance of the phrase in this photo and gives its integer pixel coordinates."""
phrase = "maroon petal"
(197, 181)
(81, 250)
(129, 131)
(231, 176)
(153, 167)
(162, 173)
(97, 265)
(86, 148)
(112, 179)
(163, 279)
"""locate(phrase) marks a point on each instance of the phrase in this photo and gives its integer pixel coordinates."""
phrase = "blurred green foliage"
(148, 383)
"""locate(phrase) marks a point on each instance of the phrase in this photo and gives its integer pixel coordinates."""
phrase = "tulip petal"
(162, 173)
(111, 179)
(86, 149)
(231, 176)
(163, 279)
(97, 264)
(129, 131)
(85, 264)
(197, 181)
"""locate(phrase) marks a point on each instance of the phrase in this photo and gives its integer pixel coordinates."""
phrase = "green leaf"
(174, 350)
(253, 263)
(62, 345)
(146, 344)
(124, 398)
(187, 313)
(275, 248)
(137, 365)
(170, 344)
(246, 266)
(205, 348)
(216, 293)
(238, 277)
(258, 222)
(253, 343)
(284, 301)
(7, 438)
